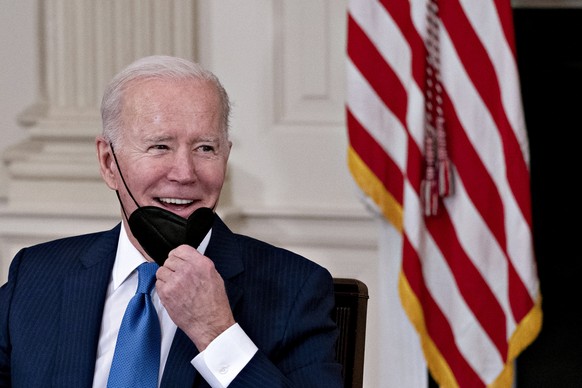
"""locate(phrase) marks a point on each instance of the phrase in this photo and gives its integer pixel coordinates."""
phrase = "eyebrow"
(156, 139)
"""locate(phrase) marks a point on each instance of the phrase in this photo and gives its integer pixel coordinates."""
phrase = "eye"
(206, 148)
(159, 147)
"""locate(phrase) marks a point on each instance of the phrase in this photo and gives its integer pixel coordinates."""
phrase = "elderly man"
(213, 308)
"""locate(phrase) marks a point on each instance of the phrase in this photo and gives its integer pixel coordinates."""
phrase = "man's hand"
(193, 293)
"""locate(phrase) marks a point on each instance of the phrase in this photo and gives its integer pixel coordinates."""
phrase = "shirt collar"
(127, 259)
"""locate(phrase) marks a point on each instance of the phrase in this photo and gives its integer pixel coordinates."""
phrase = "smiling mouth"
(175, 201)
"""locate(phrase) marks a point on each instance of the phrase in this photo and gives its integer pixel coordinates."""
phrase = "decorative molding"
(343, 240)
(308, 83)
(19, 229)
(345, 228)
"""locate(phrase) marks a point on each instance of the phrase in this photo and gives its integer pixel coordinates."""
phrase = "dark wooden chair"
(351, 299)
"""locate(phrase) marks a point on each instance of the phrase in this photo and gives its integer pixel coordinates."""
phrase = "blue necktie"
(136, 361)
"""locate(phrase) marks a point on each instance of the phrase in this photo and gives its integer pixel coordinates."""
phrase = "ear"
(107, 166)
(229, 149)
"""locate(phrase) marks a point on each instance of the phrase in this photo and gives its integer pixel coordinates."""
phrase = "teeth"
(176, 201)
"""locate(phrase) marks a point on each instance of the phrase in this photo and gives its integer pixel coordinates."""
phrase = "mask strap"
(123, 180)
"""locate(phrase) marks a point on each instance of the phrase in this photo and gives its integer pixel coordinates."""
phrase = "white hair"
(153, 67)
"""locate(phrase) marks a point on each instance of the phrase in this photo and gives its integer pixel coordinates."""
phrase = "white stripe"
(483, 134)
(520, 246)
(371, 112)
(479, 126)
(439, 280)
(485, 21)
(415, 114)
(384, 33)
(471, 109)
(418, 13)
(381, 29)
(481, 247)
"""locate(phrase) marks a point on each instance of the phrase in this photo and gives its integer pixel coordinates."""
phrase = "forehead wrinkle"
(145, 106)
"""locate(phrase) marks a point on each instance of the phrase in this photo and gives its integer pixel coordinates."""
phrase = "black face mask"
(159, 231)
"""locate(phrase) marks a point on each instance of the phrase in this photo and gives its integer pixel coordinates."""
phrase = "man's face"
(173, 149)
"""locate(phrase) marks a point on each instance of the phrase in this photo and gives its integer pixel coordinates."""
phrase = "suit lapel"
(83, 298)
(226, 254)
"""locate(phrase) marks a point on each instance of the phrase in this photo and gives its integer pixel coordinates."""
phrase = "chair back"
(351, 298)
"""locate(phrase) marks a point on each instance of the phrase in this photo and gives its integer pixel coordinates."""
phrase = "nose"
(182, 169)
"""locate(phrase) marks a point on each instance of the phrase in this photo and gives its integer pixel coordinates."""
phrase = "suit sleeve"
(306, 357)
(6, 292)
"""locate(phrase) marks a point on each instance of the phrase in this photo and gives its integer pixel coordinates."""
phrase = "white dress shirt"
(219, 363)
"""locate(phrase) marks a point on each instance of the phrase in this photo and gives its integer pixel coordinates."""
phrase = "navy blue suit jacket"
(51, 307)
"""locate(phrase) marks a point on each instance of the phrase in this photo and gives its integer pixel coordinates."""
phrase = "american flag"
(437, 141)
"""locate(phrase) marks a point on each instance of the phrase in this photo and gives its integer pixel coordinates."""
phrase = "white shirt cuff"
(225, 357)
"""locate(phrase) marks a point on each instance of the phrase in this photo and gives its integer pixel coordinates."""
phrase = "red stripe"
(505, 13)
(375, 158)
(400, 12)
(472, 286)
(482, 74)
(519, 297)
(414, 165)
(484, 195)
(475, 177)
(437, 325)
(518, 176)
(377, 72)
(481, 71)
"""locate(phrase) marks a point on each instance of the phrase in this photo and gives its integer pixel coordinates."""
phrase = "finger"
(183, 251)
(172, 263)
(163, 274)
(176, 259)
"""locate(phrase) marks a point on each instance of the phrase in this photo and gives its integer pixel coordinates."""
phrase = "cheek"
(142, 175)
(211, 176)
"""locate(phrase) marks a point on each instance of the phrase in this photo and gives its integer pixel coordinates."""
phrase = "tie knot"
(146, 277)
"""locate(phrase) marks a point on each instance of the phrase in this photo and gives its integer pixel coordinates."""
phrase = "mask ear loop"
(125, 184)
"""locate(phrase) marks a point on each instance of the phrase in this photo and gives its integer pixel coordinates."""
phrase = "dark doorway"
(549, 52)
